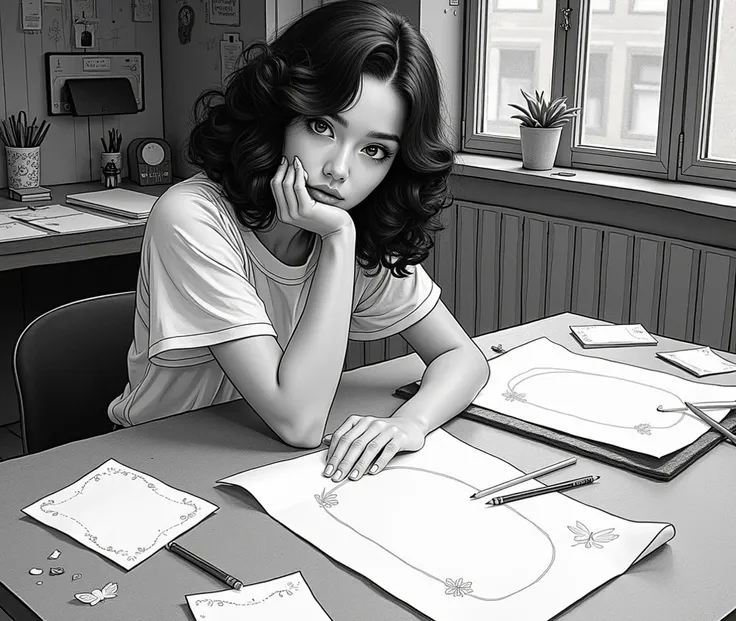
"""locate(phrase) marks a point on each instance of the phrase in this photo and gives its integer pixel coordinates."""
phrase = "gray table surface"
(692, 578)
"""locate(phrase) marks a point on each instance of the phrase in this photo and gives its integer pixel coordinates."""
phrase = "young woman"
(323, 172)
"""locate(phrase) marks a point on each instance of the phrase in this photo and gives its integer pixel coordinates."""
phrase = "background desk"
(41, 273)
(691, 579)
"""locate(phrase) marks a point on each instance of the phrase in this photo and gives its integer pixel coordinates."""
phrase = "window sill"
(700, 199)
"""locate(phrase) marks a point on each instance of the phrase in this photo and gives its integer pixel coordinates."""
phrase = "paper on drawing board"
(612, 402)
(78, 222)
(281, 599)
(123, 514)
(413, 530)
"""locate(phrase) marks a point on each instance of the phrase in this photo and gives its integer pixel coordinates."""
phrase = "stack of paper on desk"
(413, 530)
(62, 219)
(116, 201)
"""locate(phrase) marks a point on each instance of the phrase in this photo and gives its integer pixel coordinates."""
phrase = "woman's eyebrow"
(383, 136)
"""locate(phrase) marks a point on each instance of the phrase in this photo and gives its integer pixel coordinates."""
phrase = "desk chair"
(69, 364)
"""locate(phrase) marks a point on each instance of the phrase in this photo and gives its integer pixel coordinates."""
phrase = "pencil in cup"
(209, 568)
(548, 489)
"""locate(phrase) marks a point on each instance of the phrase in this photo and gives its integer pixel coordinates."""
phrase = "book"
(612, 336)
(700, 361)
(30, 194)
(117, 201)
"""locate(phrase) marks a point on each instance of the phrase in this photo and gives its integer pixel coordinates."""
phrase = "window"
(595, 104)
(602, 6)
(709, 140)
(643, 86)
(652, 78)
(516, 70)
(648, 6)
(517, 5)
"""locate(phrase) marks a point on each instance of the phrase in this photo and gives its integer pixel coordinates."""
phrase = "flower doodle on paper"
(583, 536)
(644, 429)
(326, 500)
(109, 591)
(512, 395)
(457, 588)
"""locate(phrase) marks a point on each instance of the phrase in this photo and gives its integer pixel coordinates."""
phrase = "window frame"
(693, 167)
(471, 141)
(569, 62)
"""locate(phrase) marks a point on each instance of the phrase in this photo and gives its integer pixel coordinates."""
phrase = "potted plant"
(541, 126)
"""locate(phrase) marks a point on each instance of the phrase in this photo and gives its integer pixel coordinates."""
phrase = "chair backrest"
(69, 364)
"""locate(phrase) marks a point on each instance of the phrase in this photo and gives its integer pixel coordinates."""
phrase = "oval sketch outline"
(642, 428)
(325, 506)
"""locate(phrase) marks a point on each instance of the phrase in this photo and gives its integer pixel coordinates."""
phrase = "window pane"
(721, 115)
(622, 86)
(518, 55)
(650, 6)
(601, 5)
(517, 5)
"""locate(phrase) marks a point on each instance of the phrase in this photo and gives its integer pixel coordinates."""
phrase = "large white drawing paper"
(121, 513)
(612, 402)
(283, 599)
(413, 530)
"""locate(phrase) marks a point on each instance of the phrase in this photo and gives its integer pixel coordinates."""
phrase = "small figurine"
(112, 175)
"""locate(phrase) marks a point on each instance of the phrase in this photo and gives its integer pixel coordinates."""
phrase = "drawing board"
(544, 383)
(413, 530)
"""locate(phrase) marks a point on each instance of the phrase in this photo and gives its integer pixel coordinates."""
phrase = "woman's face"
(349, 154)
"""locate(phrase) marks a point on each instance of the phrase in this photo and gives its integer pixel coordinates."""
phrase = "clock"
(149, 161)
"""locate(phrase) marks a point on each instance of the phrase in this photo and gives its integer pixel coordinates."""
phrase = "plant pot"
(539, 146)
(24, 166)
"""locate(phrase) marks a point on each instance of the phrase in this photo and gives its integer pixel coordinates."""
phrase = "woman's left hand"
(367, 443)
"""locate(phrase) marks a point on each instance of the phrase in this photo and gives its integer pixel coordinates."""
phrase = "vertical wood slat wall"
(499, 267)
(71, 150)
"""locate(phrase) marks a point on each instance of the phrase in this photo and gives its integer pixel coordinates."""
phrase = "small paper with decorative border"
(701, 361)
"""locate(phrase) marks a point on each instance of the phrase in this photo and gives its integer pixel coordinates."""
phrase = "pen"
(708, 405)
(557, 487)
(525, 477)
(204, 565)
(707, 419)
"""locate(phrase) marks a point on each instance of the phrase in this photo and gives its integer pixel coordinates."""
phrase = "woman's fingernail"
(338, 475)
(326, 439)
(328, 470)
(374, 469)
(283, 160)
(297, 163)
(354, 475)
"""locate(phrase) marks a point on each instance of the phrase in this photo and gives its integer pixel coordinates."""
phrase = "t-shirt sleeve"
(387, 304)
(198, 290)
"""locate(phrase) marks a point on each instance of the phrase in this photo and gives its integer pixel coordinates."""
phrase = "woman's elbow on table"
(301, 435)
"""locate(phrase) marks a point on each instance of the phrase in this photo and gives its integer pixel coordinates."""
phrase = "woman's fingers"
(340, 432)
(375, 447)
(287, 186)
(390, 449)
(277, 189)
(344, 443)
(304, 201)
(356, 452)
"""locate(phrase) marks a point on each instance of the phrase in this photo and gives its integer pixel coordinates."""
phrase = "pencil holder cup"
(116, 159)
(24, 166)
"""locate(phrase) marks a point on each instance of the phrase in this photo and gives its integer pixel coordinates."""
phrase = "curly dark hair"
(314, 68)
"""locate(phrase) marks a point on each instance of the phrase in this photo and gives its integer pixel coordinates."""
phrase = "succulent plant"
(539, 113)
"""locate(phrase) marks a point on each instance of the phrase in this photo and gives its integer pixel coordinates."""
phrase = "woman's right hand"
(295, 206)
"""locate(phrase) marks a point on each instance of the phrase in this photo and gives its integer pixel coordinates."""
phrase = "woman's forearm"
(449, 384)
(312, 363)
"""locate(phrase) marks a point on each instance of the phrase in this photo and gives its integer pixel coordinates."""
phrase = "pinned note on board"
(30, 15)
(231, 48)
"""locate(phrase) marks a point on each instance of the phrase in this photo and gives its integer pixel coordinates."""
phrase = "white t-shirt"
(205, 280)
